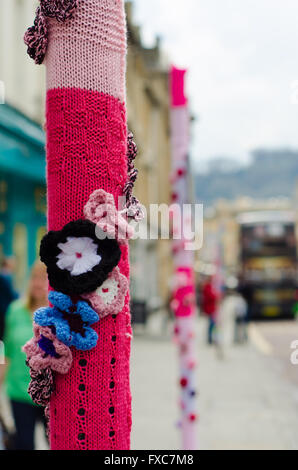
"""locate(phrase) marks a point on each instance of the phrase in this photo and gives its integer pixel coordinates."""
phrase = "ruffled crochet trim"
(61, 10)
(36, 37)
(41, 386)
(133, 206)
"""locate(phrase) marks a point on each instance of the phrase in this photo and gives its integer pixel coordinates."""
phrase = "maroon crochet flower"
(62, 10)
(36, 38)
(41, 386)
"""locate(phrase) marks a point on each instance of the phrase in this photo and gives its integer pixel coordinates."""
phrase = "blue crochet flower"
(71, 320)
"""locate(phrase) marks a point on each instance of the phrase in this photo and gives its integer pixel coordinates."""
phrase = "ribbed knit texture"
(86, 150)
(92, 48)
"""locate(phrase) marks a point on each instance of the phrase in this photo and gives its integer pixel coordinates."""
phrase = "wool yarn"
(183, 302)
(72, 321)
(45, 351)
(41, 386)
(90, 408)
(77, 260)
(109, 298)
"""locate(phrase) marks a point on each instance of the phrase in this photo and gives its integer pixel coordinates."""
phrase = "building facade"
(22, 176)
(22, 155)
(149, 120)
(22, 190)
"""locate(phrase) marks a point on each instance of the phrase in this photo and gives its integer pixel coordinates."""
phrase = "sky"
(242, 60)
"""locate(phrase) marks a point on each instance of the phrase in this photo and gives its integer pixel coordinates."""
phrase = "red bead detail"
(79, 255)
(192, 417)
(183, 382)
(105, 290)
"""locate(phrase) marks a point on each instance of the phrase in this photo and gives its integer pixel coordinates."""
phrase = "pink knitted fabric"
(88, 52)
(86, 150)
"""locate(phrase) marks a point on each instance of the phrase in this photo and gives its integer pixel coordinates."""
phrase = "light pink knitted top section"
(93, 45)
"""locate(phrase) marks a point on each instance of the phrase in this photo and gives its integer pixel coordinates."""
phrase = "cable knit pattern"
(90, 408)
(97, 34)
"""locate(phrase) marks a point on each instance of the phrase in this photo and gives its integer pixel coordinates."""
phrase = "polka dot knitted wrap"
(90, 408)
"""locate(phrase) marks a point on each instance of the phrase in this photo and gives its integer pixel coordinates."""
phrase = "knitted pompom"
(77, 260)
(36, 38)
(41, 386)
(62, 10)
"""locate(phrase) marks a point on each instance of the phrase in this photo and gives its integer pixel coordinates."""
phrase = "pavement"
(248, 394)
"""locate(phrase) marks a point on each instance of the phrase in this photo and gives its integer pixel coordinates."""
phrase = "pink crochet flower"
(109, 298)
(44, 351)
(101, 210)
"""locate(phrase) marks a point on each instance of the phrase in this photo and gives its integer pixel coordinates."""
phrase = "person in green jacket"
(15, 373)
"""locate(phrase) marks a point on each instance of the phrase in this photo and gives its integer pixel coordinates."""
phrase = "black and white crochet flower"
(77, 261)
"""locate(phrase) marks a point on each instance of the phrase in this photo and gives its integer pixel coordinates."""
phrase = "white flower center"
(78, 255)
(108, 291)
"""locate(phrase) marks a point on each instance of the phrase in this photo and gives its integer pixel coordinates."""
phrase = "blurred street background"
(244, 171)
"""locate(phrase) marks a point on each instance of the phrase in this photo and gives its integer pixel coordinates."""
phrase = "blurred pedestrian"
(18, 330)
(241, 317)
(7, 292)
(209, 303)
(246, 291)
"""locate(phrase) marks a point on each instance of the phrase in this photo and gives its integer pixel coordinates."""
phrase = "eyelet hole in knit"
(81, 412)
(82, 403)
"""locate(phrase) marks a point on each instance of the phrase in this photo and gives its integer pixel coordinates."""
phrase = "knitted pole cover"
(183, 302)
(86, 150)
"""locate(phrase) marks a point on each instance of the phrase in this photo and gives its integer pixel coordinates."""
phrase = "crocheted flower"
(101, 210)
(41, 386)
(45, 350)
(109, 298)
(71, 320)
(77, 261)
(36, 38)
(62, 10)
